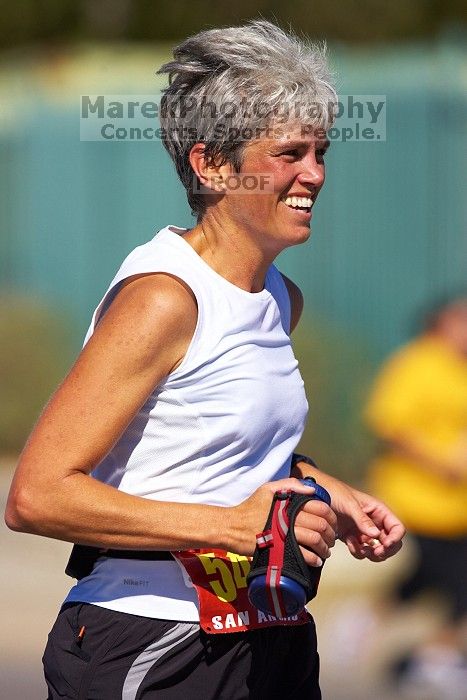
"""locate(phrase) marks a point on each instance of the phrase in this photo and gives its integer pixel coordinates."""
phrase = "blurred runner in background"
(418, 408)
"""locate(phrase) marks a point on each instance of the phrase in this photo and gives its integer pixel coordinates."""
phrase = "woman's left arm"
(296, 301)
(366, 525)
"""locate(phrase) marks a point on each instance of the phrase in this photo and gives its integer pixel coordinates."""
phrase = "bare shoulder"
(154, 311)
(296, 301)
(160, 289)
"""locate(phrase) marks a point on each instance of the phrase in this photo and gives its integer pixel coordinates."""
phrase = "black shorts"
(441, 567)
(134, 658)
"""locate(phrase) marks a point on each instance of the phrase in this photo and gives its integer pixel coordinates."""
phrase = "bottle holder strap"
(278, 553)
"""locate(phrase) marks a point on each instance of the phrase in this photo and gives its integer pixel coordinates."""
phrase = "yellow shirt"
(421, 395)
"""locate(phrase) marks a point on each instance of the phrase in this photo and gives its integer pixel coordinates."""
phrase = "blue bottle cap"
(293, 595)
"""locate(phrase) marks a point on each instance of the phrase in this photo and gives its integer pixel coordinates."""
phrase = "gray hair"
(228, 86)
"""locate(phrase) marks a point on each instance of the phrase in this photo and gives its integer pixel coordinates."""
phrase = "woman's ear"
(209, 175)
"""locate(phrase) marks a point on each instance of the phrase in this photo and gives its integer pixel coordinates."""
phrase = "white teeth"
(299, 202)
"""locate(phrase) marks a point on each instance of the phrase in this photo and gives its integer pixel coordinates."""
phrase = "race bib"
(220, 581)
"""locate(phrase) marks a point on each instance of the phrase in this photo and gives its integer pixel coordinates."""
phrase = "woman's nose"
(313, 173)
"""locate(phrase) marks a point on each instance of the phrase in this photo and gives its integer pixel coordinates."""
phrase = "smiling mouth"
(300, 203)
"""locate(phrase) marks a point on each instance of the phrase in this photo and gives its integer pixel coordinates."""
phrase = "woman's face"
(280, 179)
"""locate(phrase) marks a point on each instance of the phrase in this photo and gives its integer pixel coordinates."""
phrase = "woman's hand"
(315, 525)
(366, 525)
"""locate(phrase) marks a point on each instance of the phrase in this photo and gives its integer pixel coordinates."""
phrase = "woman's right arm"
(142, 338)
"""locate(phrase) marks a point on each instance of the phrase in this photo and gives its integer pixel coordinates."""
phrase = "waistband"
(83, 558)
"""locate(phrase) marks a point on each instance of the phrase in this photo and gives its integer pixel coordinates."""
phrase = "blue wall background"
(388, 231)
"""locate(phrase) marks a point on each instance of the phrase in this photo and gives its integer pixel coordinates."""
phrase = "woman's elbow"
(23, 512)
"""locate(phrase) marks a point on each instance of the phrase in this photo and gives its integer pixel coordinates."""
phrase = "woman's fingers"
(393, 535)
(319, 508)
(311, 558)
(355, 547)
(389, 541)
(373, 549)
(316, 532)
(289, 484)
(381, 552)
(312, 545)
(392, 530)
(319, 528)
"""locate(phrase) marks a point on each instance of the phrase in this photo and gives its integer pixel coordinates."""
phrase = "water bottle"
(293, 593)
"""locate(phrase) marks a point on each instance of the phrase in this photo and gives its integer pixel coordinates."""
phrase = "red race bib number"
(220, 581)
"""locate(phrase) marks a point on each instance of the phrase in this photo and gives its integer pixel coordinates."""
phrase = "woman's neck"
(231, 252)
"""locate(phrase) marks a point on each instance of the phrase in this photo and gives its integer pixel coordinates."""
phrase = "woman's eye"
(321, 152)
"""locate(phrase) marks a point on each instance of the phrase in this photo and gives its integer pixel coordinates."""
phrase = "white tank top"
(219, 426)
